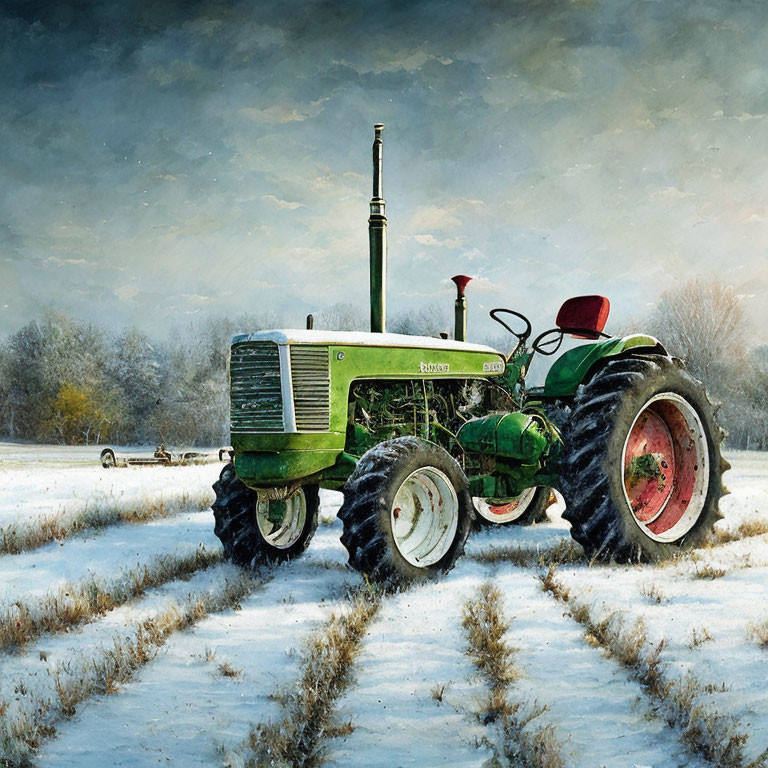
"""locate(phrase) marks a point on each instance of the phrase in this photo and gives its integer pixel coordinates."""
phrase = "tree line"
(66, 381)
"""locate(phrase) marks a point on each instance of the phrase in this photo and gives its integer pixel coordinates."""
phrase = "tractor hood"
(359, 338)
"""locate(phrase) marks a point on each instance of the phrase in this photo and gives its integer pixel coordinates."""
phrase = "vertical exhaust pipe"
(460, 324)
(377, 240)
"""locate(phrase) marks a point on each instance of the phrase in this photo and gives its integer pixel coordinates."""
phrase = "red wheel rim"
(503, 509)
(664, 464)
(507, 512)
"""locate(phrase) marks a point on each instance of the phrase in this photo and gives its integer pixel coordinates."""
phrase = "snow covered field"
(415, 696)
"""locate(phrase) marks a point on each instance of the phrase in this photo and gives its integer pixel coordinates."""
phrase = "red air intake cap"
(461, 283)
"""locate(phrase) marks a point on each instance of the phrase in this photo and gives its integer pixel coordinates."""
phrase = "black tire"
(534, 510)
(593, 477)
(107, 458)
(237, 527)
(368, 510)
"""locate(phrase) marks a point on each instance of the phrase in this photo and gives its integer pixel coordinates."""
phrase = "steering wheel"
(521, 337)
(545, 346)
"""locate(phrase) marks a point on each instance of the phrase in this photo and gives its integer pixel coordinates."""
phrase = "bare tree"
(342, 317)
(430, 320)
(704, 324)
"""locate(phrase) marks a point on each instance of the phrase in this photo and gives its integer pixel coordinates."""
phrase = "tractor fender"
(578, 365)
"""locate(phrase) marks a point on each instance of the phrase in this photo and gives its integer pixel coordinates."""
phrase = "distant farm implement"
(162, 457)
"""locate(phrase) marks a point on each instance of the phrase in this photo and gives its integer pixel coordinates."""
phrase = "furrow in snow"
(198, 699)
(586, 695)
(104, 554)
(706, 625)
(76, 604)
(55, 683)
(413, 656)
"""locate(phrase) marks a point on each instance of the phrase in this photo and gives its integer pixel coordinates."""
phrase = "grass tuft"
(21, 623)
(438, 691)
(520, 741)
(23, 537)
(653, 593)
(699, 636)
(709, 572)
(703, 729)
(744, 530)
(298, 739)
(226, 669)
(34, 719)
(758, 633)
(564, 552)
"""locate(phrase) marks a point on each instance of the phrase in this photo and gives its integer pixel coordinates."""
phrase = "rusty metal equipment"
(162, 457)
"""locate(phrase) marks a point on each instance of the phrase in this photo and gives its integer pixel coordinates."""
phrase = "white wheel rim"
(425, 516)
(486, 510)
(287, 532)
(697, 493)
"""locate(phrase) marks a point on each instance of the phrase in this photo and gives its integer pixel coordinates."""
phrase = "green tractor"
(430, 437)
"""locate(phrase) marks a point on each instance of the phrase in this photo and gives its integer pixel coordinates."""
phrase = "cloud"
(427, 239)
(65, 262)
(276, 201)
(127, 292)
(197, 298)
(163, 143)
(477, 285)
(434, 218)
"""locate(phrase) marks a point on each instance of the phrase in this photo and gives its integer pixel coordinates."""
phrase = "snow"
(44, 480)
(357, 338)
(397, 720)
(180, 710)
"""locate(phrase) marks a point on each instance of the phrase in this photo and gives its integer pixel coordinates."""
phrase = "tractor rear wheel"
(406, 512)
(256, 530)
(641, 470)
(527, 508)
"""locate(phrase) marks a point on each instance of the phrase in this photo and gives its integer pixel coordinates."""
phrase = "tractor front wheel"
(256, 530)
(406, 512)
(527, 508)
(641, 470)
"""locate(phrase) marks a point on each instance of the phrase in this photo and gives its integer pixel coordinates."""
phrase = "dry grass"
(34, 720)
(744, 530)
(564, 552)
(437, 692)
(709, 572)
(299, 737)
(703, 729)
(21, 623)
(226, 669)
(23, 537)
(758, 633)
(653, 593)
(523, 744)
(485, 626)
(520, 742)
(699, 636)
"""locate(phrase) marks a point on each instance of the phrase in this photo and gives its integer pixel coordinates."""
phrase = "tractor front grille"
(256, 398)
(311, 378)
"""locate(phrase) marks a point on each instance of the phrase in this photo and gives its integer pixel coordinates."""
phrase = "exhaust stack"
(460, 326)
(377, 240)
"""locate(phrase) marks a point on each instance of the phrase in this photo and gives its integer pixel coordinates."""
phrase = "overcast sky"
(162, 161)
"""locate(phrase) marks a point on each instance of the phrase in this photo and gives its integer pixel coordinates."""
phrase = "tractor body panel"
(290, 392)
(515, 435)
(574, 366)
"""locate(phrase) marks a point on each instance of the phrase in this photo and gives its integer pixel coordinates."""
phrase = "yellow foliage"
(79, 415)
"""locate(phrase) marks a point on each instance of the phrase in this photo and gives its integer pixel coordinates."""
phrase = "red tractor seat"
(584, 317)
